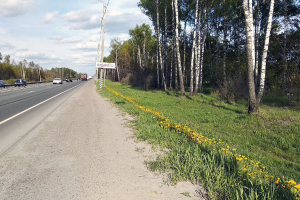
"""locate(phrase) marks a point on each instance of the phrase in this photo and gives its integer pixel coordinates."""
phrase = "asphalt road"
(23, 108)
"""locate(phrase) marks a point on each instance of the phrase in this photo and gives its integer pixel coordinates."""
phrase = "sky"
(64, 33)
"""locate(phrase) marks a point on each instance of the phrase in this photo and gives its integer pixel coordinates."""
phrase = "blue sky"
(63, 33)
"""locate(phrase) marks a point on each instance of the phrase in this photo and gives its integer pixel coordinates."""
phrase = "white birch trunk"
(159, 47)
(144, 51)
(224, 45)
(250, 9)
(171, 67)
(177, 49)
(249, 35)
(199, 78)
(140, 57)
(165, 45)
(184, 50)
(257, 33)
(198, 54)
(193, 50)
(118, 73)
(265, 53)
(174, 48)
(201, 65)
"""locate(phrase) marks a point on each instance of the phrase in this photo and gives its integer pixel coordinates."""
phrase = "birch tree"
(264, 56)
(159, 46)
(253, 102)
(200, 51)
(175, 2)
(193, 51)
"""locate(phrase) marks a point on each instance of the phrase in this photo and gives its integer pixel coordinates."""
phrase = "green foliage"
(7, 59)
(10, 72)
(134, 58)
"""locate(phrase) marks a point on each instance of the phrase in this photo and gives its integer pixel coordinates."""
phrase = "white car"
(57, 81)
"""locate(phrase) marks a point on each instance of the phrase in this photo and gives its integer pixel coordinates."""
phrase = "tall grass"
(266, 143)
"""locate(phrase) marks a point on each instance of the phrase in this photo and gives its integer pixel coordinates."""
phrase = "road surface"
(83, 149)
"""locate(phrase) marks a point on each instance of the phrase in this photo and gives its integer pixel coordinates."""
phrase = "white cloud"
(71, 40)
(60, 39)
(94, 21)
(2, 30)
(13, 8)
(49, 17)
(88, 46)
(114, 13)
(22, 49)
(90, 54)
(80, 16)
(6, 46)
(30, 55)
(115, 23)
(95, 38)
(76, 56)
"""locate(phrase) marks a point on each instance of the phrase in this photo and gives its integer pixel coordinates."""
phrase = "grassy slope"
(270, 136)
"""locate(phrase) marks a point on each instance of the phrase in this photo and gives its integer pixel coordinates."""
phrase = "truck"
(83, 77)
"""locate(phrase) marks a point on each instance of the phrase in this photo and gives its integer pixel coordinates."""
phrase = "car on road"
(20, 82)
(69, 80)
(2, 83)
(57, 81)
(65, 79)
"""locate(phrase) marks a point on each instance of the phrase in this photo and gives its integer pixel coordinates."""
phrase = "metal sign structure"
(103, 65)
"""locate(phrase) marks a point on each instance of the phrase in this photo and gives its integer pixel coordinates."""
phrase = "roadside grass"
(270, 139)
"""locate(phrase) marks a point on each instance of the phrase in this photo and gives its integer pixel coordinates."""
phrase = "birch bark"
(159, 47)
(193, 50)
(177, 49)
(165, 45)
(157, 51)
(249, 35)
(224, 43)
(265, 53)
(201, 65)
(174, 47)
(198, 53)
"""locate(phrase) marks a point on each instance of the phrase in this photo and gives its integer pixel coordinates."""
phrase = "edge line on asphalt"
(20, 113)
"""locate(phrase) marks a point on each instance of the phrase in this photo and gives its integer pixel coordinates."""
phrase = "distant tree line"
(31, 71)
(243, 48)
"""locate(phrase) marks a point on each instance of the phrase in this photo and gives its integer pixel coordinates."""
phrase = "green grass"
(270, 136)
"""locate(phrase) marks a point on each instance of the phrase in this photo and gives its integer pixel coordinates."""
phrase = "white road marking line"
(20, 113)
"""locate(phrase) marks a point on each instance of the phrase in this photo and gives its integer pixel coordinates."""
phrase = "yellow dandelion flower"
(297, 186)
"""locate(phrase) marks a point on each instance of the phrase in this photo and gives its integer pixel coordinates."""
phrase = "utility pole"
(102, 47)
(97, 60)
(23, 68)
